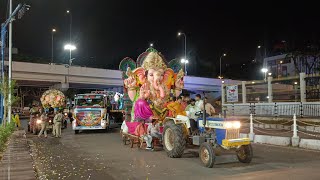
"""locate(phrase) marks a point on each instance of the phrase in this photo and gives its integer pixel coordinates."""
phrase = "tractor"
(212, 133)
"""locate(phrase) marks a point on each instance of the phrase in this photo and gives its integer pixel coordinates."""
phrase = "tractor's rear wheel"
(207, 155)
(174, 142)
(245, 153)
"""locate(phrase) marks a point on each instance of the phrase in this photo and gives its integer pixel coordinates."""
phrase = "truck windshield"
(89, 102)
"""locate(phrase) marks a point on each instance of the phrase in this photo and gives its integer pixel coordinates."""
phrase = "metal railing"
(302, 109)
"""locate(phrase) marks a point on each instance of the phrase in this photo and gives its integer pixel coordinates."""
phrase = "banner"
(232, 93)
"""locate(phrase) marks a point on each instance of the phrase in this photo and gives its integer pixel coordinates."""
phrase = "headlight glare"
(38, 121)
(236, 125)
(228, 125)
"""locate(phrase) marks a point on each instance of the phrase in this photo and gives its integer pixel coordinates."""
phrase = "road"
(100, 155)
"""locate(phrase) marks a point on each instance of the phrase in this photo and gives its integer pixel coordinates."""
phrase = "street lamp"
(185, 62)
(223, 55)
(185, 43)
(52, 33)
(70, 47)
(70, 14)
(264, 70)
(151, 44)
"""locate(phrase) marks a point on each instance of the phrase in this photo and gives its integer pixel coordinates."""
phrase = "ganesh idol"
(149, 87)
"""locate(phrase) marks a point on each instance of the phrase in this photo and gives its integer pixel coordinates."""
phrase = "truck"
(90, 113)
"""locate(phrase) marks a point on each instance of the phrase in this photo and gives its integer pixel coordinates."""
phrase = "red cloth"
(132, 126)
(161, 129)
(141, 130)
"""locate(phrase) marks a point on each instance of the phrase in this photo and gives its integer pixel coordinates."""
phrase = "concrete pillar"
(295, 138)
(61, 86)
(222, 94)
(244, 92)
(251, 133)
(302, 87)
(270, 99)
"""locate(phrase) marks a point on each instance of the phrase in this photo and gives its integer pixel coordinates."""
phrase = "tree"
(4, 88)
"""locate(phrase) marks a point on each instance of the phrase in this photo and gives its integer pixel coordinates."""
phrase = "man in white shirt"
(199, 101)
(192, 109)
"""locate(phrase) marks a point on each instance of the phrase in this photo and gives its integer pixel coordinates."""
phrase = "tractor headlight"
(236, 125)
(229, 125)
(39, 121)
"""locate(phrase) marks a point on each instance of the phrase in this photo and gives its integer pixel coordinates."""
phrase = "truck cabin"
(90, 101)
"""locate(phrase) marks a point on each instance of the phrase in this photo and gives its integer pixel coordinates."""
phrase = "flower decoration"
(53, 98)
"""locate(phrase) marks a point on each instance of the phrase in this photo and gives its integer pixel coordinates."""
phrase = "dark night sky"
(106, 31)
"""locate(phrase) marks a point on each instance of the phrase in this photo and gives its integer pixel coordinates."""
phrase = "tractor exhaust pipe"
(204, 110)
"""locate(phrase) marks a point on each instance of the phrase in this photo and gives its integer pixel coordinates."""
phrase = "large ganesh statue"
(150, 85)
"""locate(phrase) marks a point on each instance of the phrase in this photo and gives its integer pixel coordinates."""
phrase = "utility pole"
(20, 9)
(10, 64)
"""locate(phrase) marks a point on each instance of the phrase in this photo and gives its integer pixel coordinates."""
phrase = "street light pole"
(52, 33)
(10, 64)
(185, 50)
(220, 64)
(70, 24)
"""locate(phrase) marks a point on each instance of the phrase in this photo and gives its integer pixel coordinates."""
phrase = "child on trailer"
(141, 131)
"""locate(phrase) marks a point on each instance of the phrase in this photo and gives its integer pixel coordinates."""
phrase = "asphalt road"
(100, 155)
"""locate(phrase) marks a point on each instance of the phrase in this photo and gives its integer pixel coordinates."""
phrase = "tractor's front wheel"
(173, 140)
(207, 155)
(245, 153)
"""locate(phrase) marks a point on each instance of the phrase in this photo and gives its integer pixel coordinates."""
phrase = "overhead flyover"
(64, 77)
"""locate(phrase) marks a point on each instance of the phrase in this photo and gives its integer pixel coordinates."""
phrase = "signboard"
(232, 93)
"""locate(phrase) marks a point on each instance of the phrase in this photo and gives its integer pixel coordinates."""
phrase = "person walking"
(57, 120)
(44, 123)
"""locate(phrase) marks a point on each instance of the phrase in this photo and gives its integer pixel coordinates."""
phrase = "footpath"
(17, 163)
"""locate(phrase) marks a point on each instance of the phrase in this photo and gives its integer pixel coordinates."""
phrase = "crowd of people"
(183, 104)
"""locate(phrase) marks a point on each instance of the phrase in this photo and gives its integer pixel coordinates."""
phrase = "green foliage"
(5, 132)
(4, 89)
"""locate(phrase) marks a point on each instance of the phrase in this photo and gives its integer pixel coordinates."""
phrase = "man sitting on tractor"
(192, 109)
(141, 131)
(176, 108)
(210, 111)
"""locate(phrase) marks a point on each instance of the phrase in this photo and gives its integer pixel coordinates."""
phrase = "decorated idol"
(150, 85)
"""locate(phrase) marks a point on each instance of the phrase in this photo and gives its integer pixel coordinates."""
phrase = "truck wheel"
(207, 155)
(76, 131)
(173, 140)
(245, 153)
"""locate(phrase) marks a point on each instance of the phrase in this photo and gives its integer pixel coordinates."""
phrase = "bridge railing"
(302, 109)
